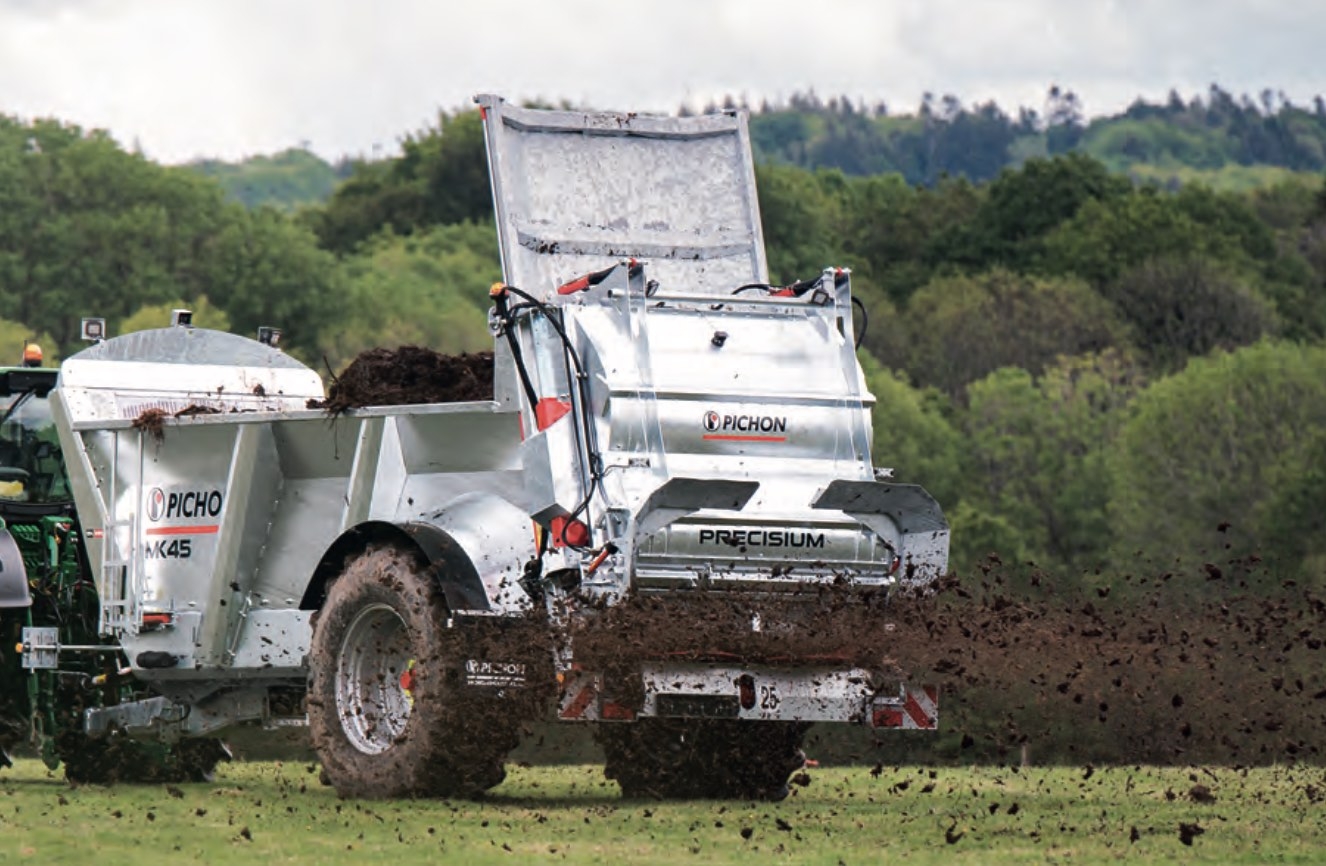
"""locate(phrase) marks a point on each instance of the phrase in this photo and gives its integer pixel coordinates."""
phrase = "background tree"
(88, 229)
(1181, 308)
(1292, 520)
(959, 329)
(440, 177)
(915, 435)
(1038, 455)
(427, 289)
(268, 270)
(205, 315)
(1205, 448)
(798, 218)
(288, 180)
(1022, 206)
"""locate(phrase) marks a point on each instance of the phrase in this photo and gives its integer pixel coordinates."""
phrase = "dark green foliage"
(943, 139)
(1292, 526)
(1022, 206)
(1037, 450)
(915, 434)
(441, 177)
(1204, 459)
(799, 221)
(896, 236)
(959, 329)
(88, 229)
(1181, 308)
(427, 289)
(287, 180)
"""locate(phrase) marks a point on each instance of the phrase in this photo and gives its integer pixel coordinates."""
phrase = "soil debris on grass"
(568, 809)
(407, 376)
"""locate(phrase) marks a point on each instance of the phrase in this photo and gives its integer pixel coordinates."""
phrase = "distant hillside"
(286, 180)
(1226, 142)
(1214, 138)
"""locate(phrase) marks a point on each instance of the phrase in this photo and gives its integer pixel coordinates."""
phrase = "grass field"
(278, 813)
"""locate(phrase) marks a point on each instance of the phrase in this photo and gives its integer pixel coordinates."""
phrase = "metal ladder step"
(118, 589)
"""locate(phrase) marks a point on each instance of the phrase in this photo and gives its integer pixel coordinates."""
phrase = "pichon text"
(714, 422)
(194, 503)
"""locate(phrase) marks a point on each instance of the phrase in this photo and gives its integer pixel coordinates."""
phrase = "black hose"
(865, 321)
(506, 316)
(591, 437)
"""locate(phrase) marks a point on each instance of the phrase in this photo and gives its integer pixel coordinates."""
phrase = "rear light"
(746, 691)
(154, 619)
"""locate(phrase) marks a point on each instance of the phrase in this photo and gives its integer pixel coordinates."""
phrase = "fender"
(477, 544)
(13, 575)
(480, 544)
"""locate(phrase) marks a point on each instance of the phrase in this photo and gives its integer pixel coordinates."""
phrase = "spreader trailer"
(665, 522)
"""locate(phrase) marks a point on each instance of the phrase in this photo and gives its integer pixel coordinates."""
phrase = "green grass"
(278, 813)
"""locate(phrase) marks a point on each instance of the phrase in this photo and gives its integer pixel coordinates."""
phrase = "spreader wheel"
(387, 711)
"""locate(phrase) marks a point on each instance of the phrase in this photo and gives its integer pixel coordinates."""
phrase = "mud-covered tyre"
(384, 699)
(702, 758)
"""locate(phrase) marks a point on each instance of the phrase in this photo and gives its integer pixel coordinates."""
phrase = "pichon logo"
(156, 504)
(714, 422)
(194, 503)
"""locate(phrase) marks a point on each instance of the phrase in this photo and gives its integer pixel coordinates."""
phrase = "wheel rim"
(371, 699)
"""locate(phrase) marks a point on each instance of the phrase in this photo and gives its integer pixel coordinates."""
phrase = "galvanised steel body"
(653, 430)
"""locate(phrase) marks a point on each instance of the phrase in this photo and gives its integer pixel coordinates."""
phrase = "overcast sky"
(229, 78)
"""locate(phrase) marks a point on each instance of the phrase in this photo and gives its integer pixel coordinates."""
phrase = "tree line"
(1093, 374)
(1226, 141)
(944, 136)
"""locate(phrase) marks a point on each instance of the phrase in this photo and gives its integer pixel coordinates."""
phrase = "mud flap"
(905, 509)
(13, 575)
(678, 497)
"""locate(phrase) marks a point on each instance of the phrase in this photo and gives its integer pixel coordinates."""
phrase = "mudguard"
(13, 575)
(479, 545)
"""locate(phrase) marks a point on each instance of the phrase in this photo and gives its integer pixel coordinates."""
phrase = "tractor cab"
(33, 481)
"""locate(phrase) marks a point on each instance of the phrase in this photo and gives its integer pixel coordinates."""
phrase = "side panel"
(223, 519)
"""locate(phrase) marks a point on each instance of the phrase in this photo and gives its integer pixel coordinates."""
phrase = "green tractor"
(46, 582)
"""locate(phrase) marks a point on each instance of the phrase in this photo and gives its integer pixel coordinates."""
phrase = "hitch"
(41, 648)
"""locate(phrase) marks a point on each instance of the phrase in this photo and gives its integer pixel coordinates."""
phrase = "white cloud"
(231, 77)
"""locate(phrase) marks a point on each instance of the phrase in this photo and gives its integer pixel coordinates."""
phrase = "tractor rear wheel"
(116, 759)
(386, 707)
(119, 759)
(703, 758)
